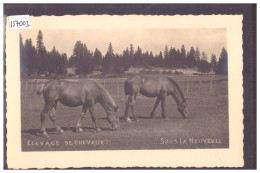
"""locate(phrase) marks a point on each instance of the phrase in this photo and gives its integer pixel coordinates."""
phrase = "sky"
(209, 40)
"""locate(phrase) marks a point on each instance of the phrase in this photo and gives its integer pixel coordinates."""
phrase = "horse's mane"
(105, 92)
(100, 86)
(177, 86)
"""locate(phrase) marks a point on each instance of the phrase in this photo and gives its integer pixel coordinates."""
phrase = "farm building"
(71, 70)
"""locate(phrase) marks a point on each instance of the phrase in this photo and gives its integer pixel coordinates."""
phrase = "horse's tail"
(40, 89)
(127, 89)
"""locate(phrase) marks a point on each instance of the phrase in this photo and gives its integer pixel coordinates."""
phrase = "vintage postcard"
(124, 91)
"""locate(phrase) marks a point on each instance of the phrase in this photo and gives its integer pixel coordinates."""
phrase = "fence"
(116, 85)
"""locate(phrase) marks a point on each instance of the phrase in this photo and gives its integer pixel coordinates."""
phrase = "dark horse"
(76, 93)
(159, 87)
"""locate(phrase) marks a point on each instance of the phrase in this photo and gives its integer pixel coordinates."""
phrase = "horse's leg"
(155, 106)
(163, 103)
(91, 110)
(127, 105)
(44, 113)
(82, 115)
(53, 118)
(132, 108)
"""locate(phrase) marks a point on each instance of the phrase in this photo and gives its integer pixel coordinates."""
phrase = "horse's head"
(113, 118)
(110, 107)
(182, 108)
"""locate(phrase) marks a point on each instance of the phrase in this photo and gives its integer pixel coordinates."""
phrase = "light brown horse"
(76, 93)
(159, 87)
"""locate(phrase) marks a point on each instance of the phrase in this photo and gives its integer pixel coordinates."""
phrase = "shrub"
(119, 70)
(177, 72)
(204, 66)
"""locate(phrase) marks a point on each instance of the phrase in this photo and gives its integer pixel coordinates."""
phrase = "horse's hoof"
(79, 130)
(135, 119)
(114, 127)
(59, 130)
(128, 120)
(98, 130)
(44, 134)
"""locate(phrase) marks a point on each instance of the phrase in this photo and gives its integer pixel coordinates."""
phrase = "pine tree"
(183, 51)
(22, 58)
(52, 63)
(131, 54)
(40, 46)
(108, 62)
(82, 58)
(30, 58)
(204, 56)
(182, 57)
(42, 54)
(146, 60)
(82, 66)
(159, 60)
(213, 62)
(166, 57)
(173, 58)
(138, 57)
(204, 65)
(191, 60)
(222, 67)
(86, 65)
(97, 59)
(77, 53)
(118, 64)
(197, 56)
(64, 64)
(110, 49)
(126, 59)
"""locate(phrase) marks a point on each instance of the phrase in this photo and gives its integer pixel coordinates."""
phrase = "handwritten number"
(27, 24)
(17, 24)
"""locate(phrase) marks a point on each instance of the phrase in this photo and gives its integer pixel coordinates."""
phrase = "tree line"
(37, 60)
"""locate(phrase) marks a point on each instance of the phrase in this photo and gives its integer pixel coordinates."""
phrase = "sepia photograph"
(125, 91)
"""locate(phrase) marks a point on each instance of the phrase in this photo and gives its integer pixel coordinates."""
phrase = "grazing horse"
(76, 93)
(159, 87)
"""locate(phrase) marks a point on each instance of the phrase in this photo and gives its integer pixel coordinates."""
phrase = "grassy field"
(207, 126)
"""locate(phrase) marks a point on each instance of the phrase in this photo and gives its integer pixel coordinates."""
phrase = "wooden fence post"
(32, 86)
(26, 85)
(68, 125)
(187, 91)
(118, 88)
(210, 87)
